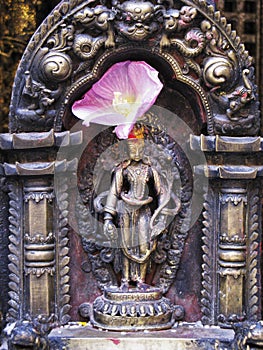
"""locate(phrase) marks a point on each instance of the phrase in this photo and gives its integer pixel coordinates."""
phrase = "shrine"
(131, 182)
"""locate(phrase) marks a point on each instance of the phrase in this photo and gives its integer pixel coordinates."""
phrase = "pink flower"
(123, 94)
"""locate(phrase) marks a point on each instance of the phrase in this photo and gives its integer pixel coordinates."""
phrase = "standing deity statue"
(135, 204)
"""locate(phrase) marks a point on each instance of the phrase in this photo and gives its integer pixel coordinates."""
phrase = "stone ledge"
(182, 337)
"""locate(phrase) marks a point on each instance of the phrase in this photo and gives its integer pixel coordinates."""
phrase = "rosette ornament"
(122, 95)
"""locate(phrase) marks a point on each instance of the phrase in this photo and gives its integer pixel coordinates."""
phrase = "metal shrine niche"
(155, 236)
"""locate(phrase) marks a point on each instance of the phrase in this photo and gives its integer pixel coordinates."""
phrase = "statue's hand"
(110, 230)
(157, 230)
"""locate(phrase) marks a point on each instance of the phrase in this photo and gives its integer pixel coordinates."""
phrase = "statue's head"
(136, 143)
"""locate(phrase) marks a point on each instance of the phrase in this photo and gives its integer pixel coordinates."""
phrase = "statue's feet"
(142, 286)
(124, 286)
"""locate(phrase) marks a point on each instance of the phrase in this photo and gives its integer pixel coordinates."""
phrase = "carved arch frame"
(39, 107)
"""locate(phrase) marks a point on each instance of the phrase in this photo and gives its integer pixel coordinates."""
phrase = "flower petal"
(122, 131)
(146, 84)
(138, 85)
(90, 103)
(115, 79)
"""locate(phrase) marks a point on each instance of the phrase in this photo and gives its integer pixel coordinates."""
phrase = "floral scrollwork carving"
(86, 47)
(220, 66)
(39, 196)
(62, 39)
(56, 66)
(39, 253)
(233, 198)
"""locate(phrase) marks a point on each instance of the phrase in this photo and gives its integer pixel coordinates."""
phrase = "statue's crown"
(137, 132)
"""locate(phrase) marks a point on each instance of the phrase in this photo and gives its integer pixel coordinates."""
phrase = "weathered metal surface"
(48, 162)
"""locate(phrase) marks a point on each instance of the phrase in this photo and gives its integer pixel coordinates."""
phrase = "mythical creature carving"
(98, 18)
(248, 337)
(40, 99)
(175, 21)
(236, 112)
(137, 20)
(231, 88)
(42, 96)
(26, 336)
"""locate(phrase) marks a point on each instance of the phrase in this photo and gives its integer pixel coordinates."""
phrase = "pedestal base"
(133, 310)
(185, 337)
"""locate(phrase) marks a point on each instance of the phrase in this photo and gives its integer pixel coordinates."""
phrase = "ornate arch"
(70, 47)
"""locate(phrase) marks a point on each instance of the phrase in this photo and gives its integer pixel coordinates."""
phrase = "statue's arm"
(110, 209)
(114, 193)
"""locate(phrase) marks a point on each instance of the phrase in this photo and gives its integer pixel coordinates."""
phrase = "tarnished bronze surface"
(52, 254)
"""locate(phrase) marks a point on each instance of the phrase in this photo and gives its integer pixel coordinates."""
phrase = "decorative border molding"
(253, 238)
(15, 248)
(209, 261)
(63, 278)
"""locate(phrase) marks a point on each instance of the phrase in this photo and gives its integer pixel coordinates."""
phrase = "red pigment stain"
(115, 341)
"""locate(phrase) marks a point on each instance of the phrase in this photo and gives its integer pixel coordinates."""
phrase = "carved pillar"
(231, 233)
(39, 246)
(38, 219)
(232, 250)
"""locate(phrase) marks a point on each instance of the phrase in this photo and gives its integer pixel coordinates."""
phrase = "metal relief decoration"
(208, 266)
(15, 248)
(225, 74)
(63, 296)
(252, 259)
(117, 212)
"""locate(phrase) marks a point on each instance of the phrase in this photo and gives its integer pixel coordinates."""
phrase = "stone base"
(183, 337)
(133, 310)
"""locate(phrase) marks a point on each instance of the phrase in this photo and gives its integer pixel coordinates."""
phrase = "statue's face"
(136, 19)
(136, 149)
